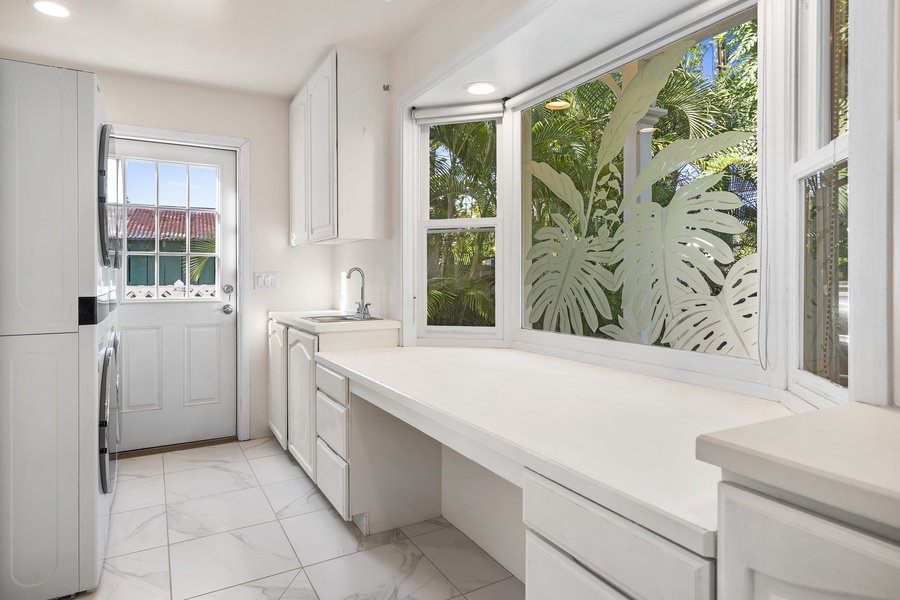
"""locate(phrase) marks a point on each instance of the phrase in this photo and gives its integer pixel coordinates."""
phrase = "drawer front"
(333, 478)
(332, 421)
(640, 563)
(551, 575)
(333, 384)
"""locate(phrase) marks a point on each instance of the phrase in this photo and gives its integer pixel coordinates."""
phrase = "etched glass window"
(642, 189)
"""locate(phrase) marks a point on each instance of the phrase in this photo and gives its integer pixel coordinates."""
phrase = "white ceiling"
(270, 46)
(264, 46)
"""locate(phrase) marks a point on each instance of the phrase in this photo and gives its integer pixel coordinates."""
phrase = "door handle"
(227, 309)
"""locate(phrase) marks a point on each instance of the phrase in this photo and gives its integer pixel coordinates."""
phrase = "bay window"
(713, 206)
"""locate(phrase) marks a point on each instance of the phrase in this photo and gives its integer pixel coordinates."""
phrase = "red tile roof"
(142, 224)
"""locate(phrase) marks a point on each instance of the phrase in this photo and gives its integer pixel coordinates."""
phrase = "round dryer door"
(108, 420)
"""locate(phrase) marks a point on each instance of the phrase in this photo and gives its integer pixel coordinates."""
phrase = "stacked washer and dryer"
(59, 384)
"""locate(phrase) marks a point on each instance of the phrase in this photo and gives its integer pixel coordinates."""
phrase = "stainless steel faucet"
(362, 309)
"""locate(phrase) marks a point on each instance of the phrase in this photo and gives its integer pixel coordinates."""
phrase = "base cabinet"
(552, 574)
(376, 470)
(301, 410)
(618, 553)
(277, 383)
(769, 550)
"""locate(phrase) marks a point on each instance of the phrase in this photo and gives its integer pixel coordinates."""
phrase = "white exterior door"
(178, 319)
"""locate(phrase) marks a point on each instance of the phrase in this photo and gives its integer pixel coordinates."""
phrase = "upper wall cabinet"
(339, 151)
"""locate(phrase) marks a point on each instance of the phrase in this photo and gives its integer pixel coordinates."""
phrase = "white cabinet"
(299, 123)
(374, 469)
(552, 574)
(301, 387)
(339, 150)
(619, 552)
(38, 233)
(277, 383)
(769, 550)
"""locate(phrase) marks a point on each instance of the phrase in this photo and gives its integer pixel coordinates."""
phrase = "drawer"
(333, 478)
(550, 575)
(633, 559)
(333, 384)
(332, 420)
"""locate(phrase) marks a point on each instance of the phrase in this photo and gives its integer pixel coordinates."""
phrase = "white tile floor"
(241, 521)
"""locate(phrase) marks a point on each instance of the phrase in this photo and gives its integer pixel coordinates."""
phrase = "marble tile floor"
(242, 521)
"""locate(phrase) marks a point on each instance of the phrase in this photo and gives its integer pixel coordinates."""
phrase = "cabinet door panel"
(773, 551)
(301, 405)
(551, 575)
(299, 157)
(322, 152)
(333, 478)
(277, 396)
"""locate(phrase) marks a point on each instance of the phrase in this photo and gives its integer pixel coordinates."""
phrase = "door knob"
(227, 309)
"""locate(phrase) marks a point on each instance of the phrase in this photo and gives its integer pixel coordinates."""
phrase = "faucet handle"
(365, 310)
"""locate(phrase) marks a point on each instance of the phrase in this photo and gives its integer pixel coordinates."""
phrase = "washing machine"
(59, 346)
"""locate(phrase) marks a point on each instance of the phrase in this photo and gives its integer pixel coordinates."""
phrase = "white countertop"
(301, 321)
(623, 440)
(846, 457)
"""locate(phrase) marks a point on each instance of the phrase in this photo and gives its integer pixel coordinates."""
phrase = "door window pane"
(203, 232)
(204, 187)
(461, 265)
(826, 291)
(140, 277)
(173, 185)
(463, 170)
(176, 268)
(172, 277)
(141, 224)
(172, 230)
(140, 183)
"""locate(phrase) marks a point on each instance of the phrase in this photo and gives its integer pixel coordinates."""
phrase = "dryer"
(58, 340)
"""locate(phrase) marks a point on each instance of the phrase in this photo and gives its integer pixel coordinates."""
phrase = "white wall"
(447, 33)
(485, 507)
(305, 271)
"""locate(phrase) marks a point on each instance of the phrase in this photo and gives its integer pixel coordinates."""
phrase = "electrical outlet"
(266, 280)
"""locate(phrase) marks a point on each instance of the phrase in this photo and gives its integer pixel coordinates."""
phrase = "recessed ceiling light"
(558, 105)
(481, 88)
(54, 9)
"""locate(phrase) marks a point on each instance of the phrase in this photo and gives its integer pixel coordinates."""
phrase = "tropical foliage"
(463, 185)
(650, 257)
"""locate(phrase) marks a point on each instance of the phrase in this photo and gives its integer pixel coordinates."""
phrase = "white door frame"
(241, 147)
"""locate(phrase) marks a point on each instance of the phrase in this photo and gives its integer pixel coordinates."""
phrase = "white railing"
(148, 292)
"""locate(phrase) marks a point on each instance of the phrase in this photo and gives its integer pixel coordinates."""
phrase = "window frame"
(440, 334)
(729, 373)
(157, 252)
(868, 149)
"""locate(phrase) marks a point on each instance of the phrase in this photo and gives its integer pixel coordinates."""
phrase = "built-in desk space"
(590, 446)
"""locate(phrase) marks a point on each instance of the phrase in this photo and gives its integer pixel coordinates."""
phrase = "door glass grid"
(171, 230)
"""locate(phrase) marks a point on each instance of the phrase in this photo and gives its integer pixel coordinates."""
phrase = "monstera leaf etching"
(567, 278)
(665, 251)
(625, 331)
(676, 155)
(561, 185)
(636, 98)
(723, 324)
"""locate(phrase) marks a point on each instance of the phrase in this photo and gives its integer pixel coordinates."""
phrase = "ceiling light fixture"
(648, 129)
(558, 104)
(482, 88)
(54, 9)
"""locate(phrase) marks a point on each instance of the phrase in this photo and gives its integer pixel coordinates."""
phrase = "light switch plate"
(266, 280)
